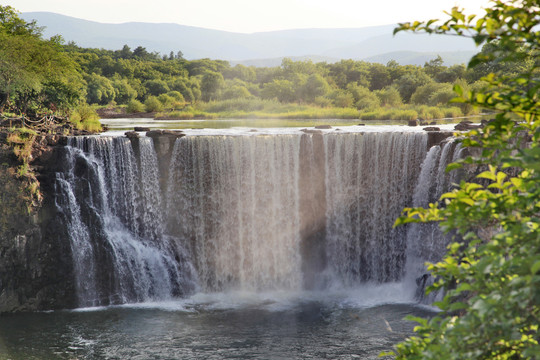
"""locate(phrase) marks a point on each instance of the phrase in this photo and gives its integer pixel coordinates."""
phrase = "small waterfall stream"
(262, 212)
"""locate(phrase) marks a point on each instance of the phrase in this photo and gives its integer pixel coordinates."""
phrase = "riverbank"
(265, 109)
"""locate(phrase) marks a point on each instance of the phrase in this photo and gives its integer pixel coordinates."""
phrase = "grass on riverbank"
(271, 109)
(85, 117)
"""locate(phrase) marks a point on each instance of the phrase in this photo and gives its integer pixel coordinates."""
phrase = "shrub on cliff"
(84, 117)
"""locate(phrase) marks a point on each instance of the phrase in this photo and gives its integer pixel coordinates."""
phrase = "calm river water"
(348, 325)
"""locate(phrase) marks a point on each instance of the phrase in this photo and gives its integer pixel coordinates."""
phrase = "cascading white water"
(426, 242)
(252, 212)
(78, 233)
(118, 214)
(369, 179)
(235, 199)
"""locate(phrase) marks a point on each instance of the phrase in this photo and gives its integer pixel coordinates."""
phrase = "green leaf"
(535, 268)
(453, 166)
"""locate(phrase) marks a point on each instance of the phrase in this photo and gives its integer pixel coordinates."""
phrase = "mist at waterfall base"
(240, 245)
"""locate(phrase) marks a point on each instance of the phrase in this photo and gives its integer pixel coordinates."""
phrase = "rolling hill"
(261, 49)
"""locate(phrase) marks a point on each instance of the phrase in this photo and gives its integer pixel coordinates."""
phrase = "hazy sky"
(252, 15)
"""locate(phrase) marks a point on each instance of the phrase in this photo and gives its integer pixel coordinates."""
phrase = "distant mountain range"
(374, 44)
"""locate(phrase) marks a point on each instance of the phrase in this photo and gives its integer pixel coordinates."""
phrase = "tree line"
(42, 75)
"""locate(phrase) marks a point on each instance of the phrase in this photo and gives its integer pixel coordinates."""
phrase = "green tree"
(235, 92)
(424, 93)
(341, 98)
(379, 77)
(314, 86)
(408, 83)
(389, 96)
(156, 87)
(491, 308)
(452, 73)
(211, 83)
(363, 98)
(134, 106)
(32, 69)
(100, 90)
(152, 104)
(282, 90)
(124, 93)
(434, 67)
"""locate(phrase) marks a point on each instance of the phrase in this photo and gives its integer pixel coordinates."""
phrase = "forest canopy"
(45, 75)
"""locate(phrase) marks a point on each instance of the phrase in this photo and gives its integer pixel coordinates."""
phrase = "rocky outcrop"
(436, 137)
(164, 144)
(35, 259)
(466, 125)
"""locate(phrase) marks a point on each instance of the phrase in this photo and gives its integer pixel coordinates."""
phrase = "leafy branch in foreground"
(491, 275)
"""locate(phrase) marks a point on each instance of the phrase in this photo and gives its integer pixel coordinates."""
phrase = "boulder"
(432, 128)
(141, 128)
(466, 125)
(132, 134)
(52, 140)
(413, 123)
(168, 133)
(323, 127)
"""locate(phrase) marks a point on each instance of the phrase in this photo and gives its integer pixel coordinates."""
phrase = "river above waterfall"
(349, 324)
(128, 124)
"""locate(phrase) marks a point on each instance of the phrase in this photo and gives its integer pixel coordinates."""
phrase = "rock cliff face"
(35, 265)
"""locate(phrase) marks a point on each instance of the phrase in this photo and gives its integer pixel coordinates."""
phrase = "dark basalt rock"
(323, 127)
(132, 134)
(412, 123)
(168, 133)
(140, 128)
(36, 267)
(466, 125)
(436, 137)
(361, 125)
(432, 128)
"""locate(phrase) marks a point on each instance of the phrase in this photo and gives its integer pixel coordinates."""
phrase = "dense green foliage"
(123, 76)
(491, 275)
(39, 75)
(36, 75)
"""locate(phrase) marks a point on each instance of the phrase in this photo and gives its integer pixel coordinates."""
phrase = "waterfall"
(114, 212)
(426, 242)
(247, 212)
(369, 180)
(235, 200)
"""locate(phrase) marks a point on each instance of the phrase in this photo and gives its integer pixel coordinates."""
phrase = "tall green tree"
(211, 83)
(491, 309)
(34, 73)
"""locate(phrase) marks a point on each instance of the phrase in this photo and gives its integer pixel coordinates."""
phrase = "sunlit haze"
(252, 15)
